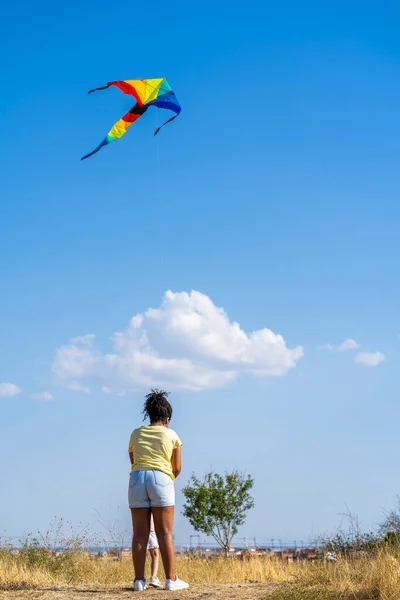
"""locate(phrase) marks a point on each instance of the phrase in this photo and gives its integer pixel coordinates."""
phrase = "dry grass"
(21, 571)
(374, 577)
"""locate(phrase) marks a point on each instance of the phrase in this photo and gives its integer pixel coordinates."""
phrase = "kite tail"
(105, 87)
(161, 126)
(103, 143)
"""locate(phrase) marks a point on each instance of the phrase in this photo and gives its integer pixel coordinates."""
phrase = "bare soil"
(225, 591)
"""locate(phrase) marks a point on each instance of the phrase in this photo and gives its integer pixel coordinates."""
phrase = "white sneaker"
(139, 585)
(178, 584)
(155, 582)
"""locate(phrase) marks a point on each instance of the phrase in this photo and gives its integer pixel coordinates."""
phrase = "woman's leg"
(154, 561)
(164, 523)
(141, 532)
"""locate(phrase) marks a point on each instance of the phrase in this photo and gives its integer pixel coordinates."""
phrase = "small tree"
(348, 541)
(391, 521)
(217, 505)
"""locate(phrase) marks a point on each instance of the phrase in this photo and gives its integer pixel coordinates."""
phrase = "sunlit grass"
(25, 570)
(372, 577)
(373, 574)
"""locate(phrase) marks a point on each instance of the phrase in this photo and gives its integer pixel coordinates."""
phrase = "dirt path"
(227, 591)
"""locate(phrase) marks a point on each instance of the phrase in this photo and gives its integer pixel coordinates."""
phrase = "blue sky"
(274, 196)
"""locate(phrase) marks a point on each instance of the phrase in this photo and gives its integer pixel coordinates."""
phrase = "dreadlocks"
(157, 407)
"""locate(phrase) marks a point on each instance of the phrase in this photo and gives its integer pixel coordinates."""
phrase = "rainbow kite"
(148, 92)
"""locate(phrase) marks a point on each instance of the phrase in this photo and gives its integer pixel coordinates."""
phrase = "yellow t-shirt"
(152, 447)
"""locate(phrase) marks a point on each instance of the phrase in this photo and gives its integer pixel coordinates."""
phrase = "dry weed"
(372, 577)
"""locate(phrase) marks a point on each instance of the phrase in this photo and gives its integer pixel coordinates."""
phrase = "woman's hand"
(176, 461)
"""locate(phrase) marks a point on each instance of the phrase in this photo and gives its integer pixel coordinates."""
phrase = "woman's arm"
(176, 461)
(132, 457)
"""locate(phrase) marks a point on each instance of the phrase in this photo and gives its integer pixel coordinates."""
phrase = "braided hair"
(156, 406)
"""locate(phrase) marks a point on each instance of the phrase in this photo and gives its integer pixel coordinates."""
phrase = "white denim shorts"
(153, 541)
(150, 488)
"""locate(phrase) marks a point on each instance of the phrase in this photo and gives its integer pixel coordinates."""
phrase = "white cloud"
(75, 386)
(369, 359)
(327, 347)
(109, 391)
(43, 396)
(345, 346)
(188, 343)
(85, 340)
(8, 390)
(348, 344)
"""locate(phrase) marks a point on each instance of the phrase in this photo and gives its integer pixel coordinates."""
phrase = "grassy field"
(35, 573)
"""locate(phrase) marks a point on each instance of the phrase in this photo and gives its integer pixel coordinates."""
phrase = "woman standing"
(156, 457)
